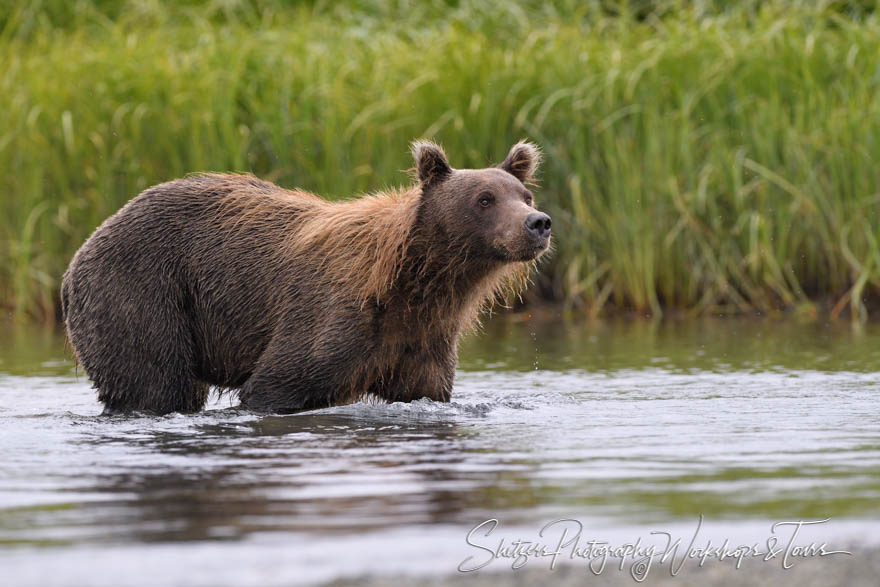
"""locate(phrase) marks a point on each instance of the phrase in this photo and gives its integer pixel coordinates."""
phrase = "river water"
(623, 428)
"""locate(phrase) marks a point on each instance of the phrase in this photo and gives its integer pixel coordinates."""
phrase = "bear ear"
(431, 163)
(522, 162)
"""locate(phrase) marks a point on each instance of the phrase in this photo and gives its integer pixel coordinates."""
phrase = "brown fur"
(231, 281)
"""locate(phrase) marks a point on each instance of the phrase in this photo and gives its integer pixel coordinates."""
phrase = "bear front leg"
(419, 374)
(306, 371)
(280, 391)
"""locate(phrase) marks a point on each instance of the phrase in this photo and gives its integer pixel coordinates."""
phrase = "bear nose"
(538, 225)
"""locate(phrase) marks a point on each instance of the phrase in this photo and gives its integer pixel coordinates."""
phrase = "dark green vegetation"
(701, 157)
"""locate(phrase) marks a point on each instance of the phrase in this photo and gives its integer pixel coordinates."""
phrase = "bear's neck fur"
(442, 283)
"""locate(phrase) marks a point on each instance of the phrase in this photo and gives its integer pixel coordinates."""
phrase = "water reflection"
(221, 480)
(709, 344)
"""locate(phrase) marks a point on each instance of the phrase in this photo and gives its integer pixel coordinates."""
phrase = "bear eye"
(529, 199)
(485, 200)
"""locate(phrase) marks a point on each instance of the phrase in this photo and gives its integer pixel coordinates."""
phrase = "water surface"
(625, 426)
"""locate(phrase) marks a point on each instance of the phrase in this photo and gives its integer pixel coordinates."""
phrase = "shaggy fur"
(230, 281)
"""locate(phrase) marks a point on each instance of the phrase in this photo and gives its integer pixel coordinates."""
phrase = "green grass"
(720, 159)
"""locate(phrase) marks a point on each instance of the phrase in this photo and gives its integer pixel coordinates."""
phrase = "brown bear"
(229, 281)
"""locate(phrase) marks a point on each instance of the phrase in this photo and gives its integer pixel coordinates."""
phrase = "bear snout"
(538, 226)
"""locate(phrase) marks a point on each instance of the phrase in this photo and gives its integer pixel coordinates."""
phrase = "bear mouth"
(524, 251)
(540, 249)
(531, 252)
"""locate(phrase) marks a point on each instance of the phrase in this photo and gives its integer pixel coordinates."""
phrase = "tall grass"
(717, 159)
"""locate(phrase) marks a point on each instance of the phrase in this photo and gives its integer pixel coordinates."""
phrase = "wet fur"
(230, 281)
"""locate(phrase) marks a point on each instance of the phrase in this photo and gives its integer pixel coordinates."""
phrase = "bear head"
(488, 213)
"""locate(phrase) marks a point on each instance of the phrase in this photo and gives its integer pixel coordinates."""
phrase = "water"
(627, 427)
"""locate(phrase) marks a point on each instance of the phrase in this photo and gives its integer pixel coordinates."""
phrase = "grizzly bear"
(229, 281)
